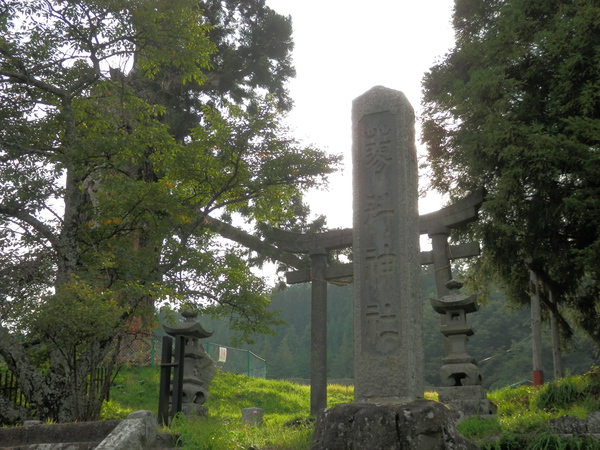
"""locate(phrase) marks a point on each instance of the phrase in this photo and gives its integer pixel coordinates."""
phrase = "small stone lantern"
(459, 368)
(461, 379)
(198, 367)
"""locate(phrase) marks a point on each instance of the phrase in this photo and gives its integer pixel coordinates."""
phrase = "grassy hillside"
(522, 422)
(286, 410)
(524, 413)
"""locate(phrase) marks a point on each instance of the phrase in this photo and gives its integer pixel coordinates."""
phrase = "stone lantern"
(461, 379)
(198, 367)
(459, 368)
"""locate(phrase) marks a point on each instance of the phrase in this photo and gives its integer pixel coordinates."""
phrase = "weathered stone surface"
(252, 416)
(388, 352)
(149, 419)
(166, 441)
(464, 374)
(32, 423)
(56, 446)
(194, 410)
(129, 435)
(456, 215)
(446, 394)
(568, 425)
(419, 425)
(188, 393)
(138, 432)
(59, 433)
(593, 423)
(467, 401)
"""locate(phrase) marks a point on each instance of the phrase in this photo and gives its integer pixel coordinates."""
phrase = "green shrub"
(480, 428)
(546, 441)
(112, 410)
(217, 434)
(507, 441)
(560, 394)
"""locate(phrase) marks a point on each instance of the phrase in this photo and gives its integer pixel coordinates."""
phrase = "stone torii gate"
(437, 225)
(318, 247)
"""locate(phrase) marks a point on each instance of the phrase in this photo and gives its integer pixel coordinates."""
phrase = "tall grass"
(521, 422)
(286, 426)
(133, 388)
(524, 413)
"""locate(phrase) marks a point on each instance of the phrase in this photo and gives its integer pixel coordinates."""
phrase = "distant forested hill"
(501, 343)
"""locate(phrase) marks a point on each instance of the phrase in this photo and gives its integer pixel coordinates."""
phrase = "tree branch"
(37, 224)
(252, 242)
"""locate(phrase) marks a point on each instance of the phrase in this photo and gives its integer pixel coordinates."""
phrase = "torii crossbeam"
(436, 225)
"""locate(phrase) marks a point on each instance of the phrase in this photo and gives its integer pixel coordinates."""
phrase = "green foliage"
(215, 434)
(541, 442)
(480, 428)
(286, 405)
(524, 412)
(561, 394)
(113, 410)
(337, 393)
(106, 201)
(96, 312)
(133, 388)
(513, 108)
(501, 343)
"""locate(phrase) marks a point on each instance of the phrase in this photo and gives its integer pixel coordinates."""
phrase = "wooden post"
(556, 352)
(177, 396)
(165, 380)
(536, 334)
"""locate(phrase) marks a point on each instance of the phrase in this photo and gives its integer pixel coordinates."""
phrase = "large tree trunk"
(59, 394)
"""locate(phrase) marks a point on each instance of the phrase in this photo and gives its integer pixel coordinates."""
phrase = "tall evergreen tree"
(514, 108)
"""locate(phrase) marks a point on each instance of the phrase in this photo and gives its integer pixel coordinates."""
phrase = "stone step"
(56, 446)
(79, 436)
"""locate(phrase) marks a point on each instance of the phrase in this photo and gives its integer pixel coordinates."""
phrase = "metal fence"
(146, 351)
(236, 360)
(9, 389)
(140, 351)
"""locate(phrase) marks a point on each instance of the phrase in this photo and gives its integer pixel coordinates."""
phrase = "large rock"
(137, 432)
(419, 425)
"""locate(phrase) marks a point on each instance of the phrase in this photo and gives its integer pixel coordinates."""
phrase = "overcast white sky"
(342, 49)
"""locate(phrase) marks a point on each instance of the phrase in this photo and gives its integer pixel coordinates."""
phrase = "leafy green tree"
(104, 208)
(514, 108)
(253, 46)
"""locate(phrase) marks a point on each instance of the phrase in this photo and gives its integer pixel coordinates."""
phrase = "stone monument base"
(466, 401)
(418, 425)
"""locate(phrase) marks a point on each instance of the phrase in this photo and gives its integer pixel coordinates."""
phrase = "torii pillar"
(317, 246)
(438, 225)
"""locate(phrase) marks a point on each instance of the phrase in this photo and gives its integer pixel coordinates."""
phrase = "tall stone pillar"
(318, 322)
(388, 350)
(388, 323)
